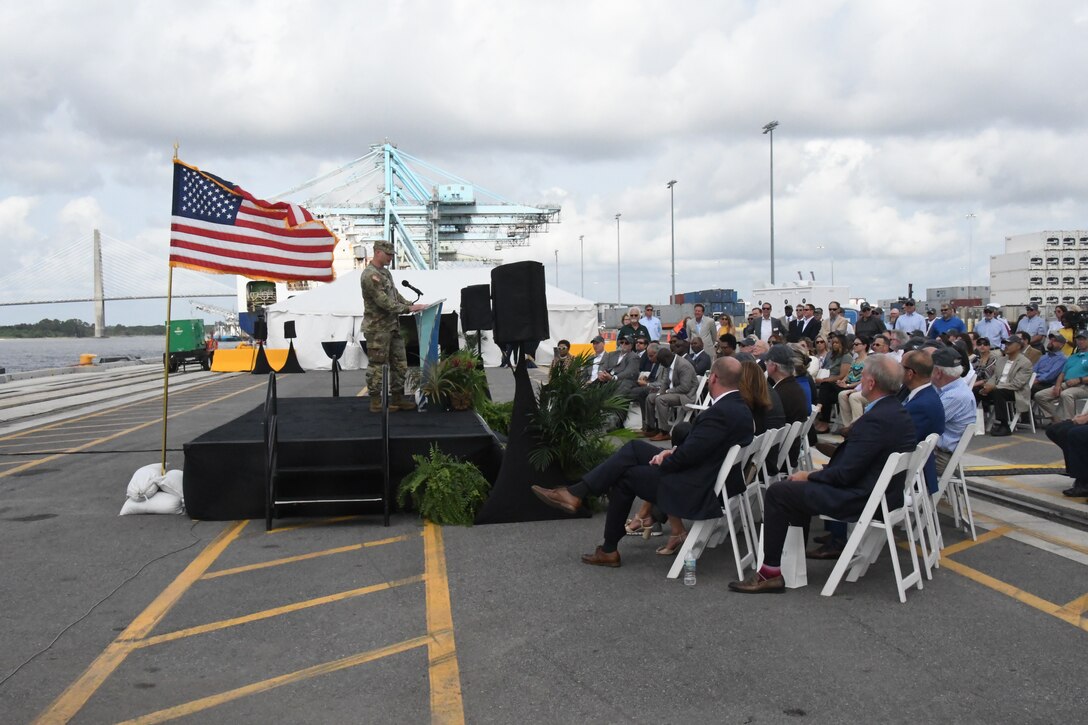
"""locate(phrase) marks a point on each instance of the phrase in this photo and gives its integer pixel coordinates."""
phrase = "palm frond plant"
(572, 420)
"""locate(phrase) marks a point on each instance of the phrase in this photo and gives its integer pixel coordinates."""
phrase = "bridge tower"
(99, 297)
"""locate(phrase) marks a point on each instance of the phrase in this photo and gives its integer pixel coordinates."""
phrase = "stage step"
(334, 468)
(326, 499)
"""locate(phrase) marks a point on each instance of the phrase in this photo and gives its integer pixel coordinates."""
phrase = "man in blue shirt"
(948, 321)
(1034, 325)
(1050, 365)
(992, 327)
(1060, 400)
(910, 321)
(652, 324)
(958, 402)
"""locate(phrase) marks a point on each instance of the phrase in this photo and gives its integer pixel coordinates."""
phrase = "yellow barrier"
(584, 348)
(242, 359)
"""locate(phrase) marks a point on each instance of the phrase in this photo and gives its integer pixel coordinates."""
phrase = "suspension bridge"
(99, 268)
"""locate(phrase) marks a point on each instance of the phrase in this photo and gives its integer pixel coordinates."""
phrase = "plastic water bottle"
(689, 569)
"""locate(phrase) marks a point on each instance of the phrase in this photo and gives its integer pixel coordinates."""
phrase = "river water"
(57, 352)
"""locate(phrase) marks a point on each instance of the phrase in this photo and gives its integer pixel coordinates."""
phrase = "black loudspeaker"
(447, 331)
(519, 302)
(289, 330)
(260, 330)
(476, 307)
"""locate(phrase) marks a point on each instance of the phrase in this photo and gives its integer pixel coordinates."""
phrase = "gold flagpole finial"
(176, 144)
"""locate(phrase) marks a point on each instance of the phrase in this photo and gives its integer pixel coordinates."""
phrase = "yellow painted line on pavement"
(982, 539)
(65, 707)
(1078, 606)
(303, 557)
(1019, 595)
(995, 447)
(1050, 538)
(126, 431)
(445, 675)
(190, 708)
(277, 611)
(311, 524)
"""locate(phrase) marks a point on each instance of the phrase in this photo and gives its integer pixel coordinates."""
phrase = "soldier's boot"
(399, 402)
(376, 404)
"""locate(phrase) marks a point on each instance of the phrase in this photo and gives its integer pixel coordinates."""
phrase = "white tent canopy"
(335, 312)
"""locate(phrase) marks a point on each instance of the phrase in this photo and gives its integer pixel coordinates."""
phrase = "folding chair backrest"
(969, 378)
(749, 453)
(920, 456)
(792, 432)
(700, 388)
(731, 459)
(759, 452)
(954, 461)
(897, 463)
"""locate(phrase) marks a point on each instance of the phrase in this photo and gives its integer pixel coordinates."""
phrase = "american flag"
(217, 226)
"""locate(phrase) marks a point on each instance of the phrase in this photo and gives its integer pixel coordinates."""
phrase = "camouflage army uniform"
(382, 305)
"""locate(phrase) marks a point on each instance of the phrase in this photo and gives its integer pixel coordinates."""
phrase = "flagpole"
(166, 352)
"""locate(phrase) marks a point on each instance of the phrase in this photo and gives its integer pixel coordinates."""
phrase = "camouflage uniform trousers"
(386, 346)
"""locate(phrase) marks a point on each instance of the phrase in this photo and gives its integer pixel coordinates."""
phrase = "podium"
(427, 322)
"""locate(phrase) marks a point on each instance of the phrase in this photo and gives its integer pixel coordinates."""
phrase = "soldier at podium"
(382, 306)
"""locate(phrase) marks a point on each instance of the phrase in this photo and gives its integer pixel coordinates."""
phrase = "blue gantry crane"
(430, 214)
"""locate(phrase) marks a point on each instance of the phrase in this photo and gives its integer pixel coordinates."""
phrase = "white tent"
(335, 312)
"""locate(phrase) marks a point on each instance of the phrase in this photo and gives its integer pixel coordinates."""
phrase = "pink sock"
(770, 572)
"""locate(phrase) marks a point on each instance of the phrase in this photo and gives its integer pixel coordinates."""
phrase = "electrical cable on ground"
(43, 650)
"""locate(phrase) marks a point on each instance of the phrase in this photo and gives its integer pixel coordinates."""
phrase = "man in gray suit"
(621, 366)
(700, 326)
(679, 391)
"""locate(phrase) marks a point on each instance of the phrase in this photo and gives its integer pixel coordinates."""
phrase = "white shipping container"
(1012, 262)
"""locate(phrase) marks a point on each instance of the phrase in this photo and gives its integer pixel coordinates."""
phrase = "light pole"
(672, 231)
(557, 268)
(582, 253)
(769, 129)
(970, 217)
(619, 295)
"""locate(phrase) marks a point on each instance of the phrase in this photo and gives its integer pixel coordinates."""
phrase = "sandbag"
(171, 483)
(145, 482)
(161, 503)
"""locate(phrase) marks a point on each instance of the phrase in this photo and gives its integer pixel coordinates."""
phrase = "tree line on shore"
(75, 328)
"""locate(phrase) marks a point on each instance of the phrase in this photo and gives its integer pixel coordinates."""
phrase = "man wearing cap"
(1048, 367)
(1071, 386)
(868, 324)
(599, 361)
(1034, 325)
(948, 322)
(622, 366)
(382, 307)
(991, 326)
(1009, 384)
(956, 399)
(910, 321)
(931, 317)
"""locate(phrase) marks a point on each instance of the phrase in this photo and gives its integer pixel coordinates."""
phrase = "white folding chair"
(709, 533)
(1014, 414)
(755, 478)
(785, 466)
(921, 506)
(1084, 407)
(953, 483)
(865, 541)
(804, 461)
(702, 402)
(970, 378)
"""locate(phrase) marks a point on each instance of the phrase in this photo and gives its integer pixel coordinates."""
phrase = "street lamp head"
(617, 216)
(770, 127)
(671, 184)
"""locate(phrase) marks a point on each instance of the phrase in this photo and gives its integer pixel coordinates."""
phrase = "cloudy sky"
(897, 119)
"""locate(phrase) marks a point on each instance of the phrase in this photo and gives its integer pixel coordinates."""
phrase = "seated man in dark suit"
(842, 487)
(780, 367)
(621, 366)
(698, 357)
(679, 480)
(1072, 437)
(924, 405)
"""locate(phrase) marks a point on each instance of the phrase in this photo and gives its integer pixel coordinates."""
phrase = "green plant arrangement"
(496, 415)
(572, 420)
(443, 489)
(457, 380)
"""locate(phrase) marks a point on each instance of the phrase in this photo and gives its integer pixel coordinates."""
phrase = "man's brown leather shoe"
(560, 498)
(756, 584)
(602, 558)
(661, 437)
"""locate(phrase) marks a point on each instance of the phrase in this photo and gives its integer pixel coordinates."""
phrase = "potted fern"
(444, 489)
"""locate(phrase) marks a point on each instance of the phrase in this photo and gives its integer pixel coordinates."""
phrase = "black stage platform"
(224, 474)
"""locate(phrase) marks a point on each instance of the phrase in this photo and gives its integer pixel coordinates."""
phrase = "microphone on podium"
(406, 283)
